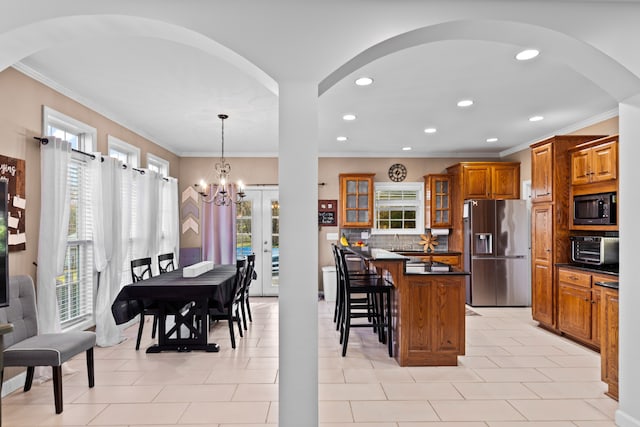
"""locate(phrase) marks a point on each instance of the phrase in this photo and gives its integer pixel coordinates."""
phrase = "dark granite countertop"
(612, 285)
(602, 269)
(376, 254)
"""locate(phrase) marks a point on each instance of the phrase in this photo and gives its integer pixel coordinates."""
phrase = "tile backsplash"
(395, 242)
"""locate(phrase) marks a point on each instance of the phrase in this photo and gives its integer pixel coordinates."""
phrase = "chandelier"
(222, 195)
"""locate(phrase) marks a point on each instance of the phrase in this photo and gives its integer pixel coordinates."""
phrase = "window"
(157, 164)
(398, 208)
(75, 287)
(126, 153)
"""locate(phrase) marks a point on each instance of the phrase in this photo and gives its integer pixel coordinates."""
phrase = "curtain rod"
(45, 141)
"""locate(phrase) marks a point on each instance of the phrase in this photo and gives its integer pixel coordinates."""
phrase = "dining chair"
(376, 308)
(250, 276)
(165, 263)
(230, 311)
(141, 270)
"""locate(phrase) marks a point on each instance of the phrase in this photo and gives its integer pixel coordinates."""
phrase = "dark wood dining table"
(183, 300)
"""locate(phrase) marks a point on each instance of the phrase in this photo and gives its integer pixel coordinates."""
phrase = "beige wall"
(21, 119)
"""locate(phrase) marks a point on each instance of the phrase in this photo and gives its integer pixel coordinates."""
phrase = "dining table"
(183, 304)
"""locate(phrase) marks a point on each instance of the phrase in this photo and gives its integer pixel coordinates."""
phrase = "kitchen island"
(428, 309)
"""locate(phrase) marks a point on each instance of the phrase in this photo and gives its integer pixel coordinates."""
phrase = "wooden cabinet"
(595, 162)
(489, 180)
(550, 219)
(542, 173)
(437, 201)
(609, 340)
(356, 200)
(452, 259)
(542, 290)
(579, 304)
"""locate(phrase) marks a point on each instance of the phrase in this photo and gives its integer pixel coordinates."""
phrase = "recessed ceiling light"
(536, 118)
(342, 138)
(349, 117)
(406, 148)
(430, 130)
(364, 81)
(527, 54)
(492, 139)
(465, 103)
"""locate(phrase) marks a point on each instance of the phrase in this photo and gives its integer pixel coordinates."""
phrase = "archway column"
(628, 414)
(298, 301)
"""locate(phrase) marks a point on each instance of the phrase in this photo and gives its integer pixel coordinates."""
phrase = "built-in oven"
(595, 209)
(594, 250)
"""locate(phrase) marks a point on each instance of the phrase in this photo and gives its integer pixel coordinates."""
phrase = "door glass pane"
(438, 217)
(438, 202)
(445, 186)
(275, 242)
(363, 202)
(445, 216)
(351, 186)
(363, 216)
(243, 228)
(352, 201)
(438, 186)
(445, 202)
(351, 216)
(363, 186)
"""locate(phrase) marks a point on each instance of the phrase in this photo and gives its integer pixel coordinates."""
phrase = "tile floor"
(514, 374)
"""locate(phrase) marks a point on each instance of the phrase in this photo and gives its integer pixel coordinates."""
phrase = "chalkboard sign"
(327, 212)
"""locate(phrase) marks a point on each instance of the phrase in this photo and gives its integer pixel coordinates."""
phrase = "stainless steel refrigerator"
(496, 252)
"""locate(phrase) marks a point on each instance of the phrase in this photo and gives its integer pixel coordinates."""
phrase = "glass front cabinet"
(356, 200)
(437, 201)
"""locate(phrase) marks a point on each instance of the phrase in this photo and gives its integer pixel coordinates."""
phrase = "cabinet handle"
(593, 302)
(586, 299)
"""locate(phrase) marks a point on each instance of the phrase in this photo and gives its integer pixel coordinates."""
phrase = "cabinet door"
(596, 301)
(446, 259)
(505, 182)
(574, 310)
(609, 347)
(438, 201)
(356, 200)
(580, 171)
(447, 316)
(604, 162)
(542, 173)
(476, 182)
(542, 300)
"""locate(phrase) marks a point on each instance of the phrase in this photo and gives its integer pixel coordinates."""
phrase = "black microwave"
(594, 209)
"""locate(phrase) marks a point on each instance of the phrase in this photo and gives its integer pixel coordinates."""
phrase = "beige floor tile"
(104, 378)
(530, 424)
(169, 377)
(569, 390)
(486, 350)
(503, 391)
(264, 376)
(476, 362)
(119, 394)
(44, 415)
(476, 410)
(226, 412)
(42, 394)
(534, 350)
(443, 373)
(605, 405)
(560, 409)
(358, 425)
(571, 374)
(511, 374)
(397, 375)
(256, 393)
(584, 361)
(330, 376)
(141, 413)
(350, 362)
(393, 411)
(350, 392)
(421, 391)
(196, 393)
(261, 363)
(444, 424)
(334, 412)
(595, 423)
(523, 362)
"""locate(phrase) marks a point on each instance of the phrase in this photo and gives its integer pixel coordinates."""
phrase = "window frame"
(418, 187)
(131, 152)
(161, 165)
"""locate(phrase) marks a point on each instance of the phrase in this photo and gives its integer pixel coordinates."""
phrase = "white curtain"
(145, 235)
(170, 219)
(109, 248)
(54, 227)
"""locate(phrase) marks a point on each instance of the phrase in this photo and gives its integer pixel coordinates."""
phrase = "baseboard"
(13, 384)
(625, 420)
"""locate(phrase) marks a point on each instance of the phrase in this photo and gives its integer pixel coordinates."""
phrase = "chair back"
(241, 269)
(165, 263)
(21, 311)
(140, 269)
(250, 273)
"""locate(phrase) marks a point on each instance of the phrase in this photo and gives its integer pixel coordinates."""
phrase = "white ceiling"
(171, 93)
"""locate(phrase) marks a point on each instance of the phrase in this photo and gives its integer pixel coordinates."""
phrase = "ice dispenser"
(483, 244)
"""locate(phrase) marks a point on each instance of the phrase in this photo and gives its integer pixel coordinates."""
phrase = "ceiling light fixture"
(349, 117)
(430, 130)
(465, 103)
(536, 118)
(527, 54)
(492, 139)
(406, 148)
(364, 81)
(223, 195)
(342, 138)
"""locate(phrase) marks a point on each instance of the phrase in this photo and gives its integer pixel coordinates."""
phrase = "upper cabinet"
(542, 173)
(437, 201)
(488, 180)
(356, 200)
(595, 162)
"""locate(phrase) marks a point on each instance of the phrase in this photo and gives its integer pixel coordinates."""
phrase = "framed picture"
(327, 212)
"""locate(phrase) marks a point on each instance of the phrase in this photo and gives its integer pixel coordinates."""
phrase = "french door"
(258, 231)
